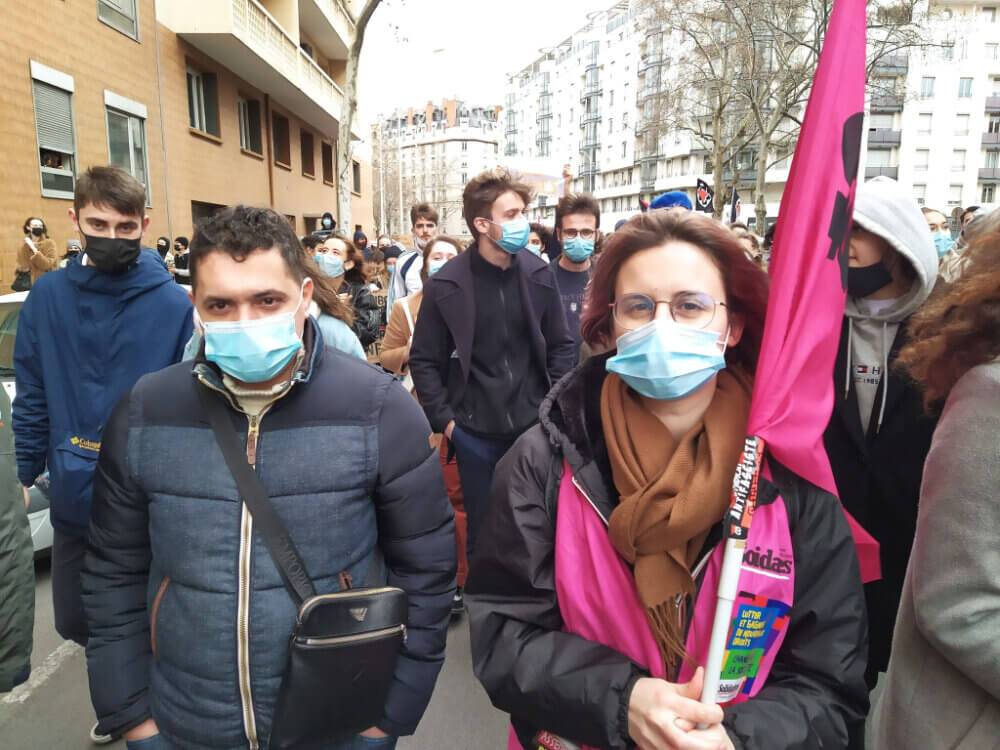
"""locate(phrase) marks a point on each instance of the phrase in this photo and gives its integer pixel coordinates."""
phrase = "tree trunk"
(760, 204)
(718, 160)
(345, 175)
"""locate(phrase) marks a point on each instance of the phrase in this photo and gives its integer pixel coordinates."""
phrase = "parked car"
(38, 505)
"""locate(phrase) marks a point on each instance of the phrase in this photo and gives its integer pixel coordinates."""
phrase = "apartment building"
(429, 154)
(936, 125)
(576, 104)
(207, 102)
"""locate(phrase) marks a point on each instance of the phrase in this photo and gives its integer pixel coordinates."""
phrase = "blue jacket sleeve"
(113, 582)
(30, 410)
(416, 529)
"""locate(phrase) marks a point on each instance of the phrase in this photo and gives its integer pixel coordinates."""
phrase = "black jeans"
(67, 601)
(477, 458)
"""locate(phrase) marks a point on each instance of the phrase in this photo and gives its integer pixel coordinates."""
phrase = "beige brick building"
(209, 102)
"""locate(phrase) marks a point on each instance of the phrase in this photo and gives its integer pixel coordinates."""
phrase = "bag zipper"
(343, 639)
(307, 605)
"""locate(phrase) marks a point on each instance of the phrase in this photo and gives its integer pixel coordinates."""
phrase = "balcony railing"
(989, 175)
(588, 169)
(991, 141)
(590, 143)
(891, 172)
(589, 90)
(887, 103)
(993, 103)
(883, 137)
(893, 65)
(593, 116)
(543, 114)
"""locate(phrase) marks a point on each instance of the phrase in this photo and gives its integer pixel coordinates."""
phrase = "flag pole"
(743, 502)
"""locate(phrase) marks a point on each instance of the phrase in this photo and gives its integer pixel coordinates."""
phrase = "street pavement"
(53, 712)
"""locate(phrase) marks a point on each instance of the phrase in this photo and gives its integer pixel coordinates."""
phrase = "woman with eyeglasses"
(592, 598)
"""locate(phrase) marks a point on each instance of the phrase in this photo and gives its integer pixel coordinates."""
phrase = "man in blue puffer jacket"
(190, 622)
(85, 335)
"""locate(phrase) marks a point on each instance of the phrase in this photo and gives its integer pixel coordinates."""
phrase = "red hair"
(745, 283)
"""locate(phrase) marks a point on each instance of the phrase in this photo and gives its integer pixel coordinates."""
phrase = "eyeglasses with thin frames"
(694, 309)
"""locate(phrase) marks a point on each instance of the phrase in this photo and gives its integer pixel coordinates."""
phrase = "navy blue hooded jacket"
(84, 337)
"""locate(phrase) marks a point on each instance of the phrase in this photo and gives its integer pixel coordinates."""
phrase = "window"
(954, 195)
(611, 125)
(119, 14)
(282, 145)
(964, 88)
(612, 100)
(924, 124)
(922, 160)
(308, 148)
(203, 103)
(961, 124)
(920, 193)
(127, 137)
(624, 149)
(881, 122)
(994, 124)
(927, 87)
(465, 145)
(990, 15)
(948, 50)
(992, 160)
(53, 97)
(327, 150)
(624, 120)
(465, 178)
(248, 113)
(958, 160)
(880, 157)
(356, 177)
(992, 52)
(994, 85)
(988, 194)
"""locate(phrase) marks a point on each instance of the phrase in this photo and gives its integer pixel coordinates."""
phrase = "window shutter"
(53, 118)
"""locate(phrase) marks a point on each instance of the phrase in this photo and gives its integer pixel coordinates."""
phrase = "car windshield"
(8, 331)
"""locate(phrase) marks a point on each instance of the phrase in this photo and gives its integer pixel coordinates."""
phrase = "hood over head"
(884, 208)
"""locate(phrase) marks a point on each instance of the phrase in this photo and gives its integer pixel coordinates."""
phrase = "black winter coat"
(367, 313)
(878, 478)
(441, 355)
(557, 681)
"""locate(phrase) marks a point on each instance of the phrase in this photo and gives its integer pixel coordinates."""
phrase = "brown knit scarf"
(672, 493)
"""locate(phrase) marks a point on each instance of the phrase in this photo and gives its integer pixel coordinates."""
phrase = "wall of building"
(184, 166)
(72, 36)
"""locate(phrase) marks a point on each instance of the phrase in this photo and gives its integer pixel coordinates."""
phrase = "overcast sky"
(420, 50)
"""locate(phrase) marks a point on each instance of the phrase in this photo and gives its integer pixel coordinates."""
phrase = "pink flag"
(793, 393)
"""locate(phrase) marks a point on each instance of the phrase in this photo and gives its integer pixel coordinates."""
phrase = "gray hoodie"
(887, 210)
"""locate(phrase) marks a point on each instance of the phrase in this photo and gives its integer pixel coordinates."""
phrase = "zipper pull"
(345, 580)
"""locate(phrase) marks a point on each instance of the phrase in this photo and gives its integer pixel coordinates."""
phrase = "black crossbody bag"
(344, 645)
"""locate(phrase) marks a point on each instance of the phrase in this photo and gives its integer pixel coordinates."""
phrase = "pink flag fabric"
(793, 393)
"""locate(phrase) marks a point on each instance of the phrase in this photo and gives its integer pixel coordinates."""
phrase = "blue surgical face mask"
(667, 361)
(330, 264)
(535, 248)
(578, 249)
(253, 351)
(433, 266)
(943, 242)
(514, 234)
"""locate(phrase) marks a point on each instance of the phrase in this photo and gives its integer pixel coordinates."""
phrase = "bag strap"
(286, 557)
(409, 317)
(407, 266)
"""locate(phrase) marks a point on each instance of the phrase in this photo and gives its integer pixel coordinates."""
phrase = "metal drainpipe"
(270, 157)
(163, 128)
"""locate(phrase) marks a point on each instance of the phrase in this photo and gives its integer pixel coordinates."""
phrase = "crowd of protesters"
(539, 429)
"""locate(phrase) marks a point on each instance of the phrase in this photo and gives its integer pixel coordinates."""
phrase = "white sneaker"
(100, 739)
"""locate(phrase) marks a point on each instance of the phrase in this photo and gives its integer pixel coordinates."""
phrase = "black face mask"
(112, 254)
(37, 231)
(162, 250)
(867, 280)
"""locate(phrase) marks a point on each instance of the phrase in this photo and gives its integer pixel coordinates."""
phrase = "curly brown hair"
(960, 328)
